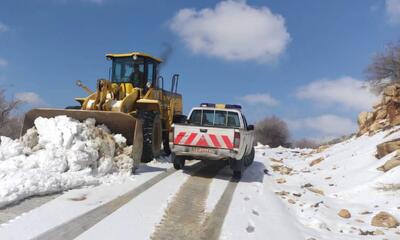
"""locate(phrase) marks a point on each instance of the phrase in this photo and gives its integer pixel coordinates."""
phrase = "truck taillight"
(236, 140)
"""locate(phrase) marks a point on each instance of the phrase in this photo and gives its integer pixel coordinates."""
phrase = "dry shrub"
(385, 66)
(305, 143)
(272, 131)
(10, 123)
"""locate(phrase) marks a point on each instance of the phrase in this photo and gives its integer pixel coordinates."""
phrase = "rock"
(291, 201)
(384, 219)
(280, 180)
(316, 190)
(316, 161)
(284, 170)
(344, 213)
(381, 114)
(282, 193)
(393, 111)
(375, 127)
(366, 212)
(363, 119)
(378, 232)
(306, 185)
(276, 160)
(389, 164)
(387, 147)
(391, 90)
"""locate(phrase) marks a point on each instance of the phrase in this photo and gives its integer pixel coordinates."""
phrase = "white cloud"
(259, 98)
(3, 27)
(346, 91)
(30, 98)
(327, 125)
(393, 11)
(3, 62)
(233, 30)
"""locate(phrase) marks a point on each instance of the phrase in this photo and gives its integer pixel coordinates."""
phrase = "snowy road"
(202, 202)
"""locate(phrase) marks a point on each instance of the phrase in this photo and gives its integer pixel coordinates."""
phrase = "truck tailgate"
(211, 137)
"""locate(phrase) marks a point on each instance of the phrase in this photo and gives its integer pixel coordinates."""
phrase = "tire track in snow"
(185, 216)
(80, 224)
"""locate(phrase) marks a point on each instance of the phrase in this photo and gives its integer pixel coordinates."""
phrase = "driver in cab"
(137, 77)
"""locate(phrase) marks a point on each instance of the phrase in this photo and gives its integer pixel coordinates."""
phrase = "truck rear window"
(216, 118)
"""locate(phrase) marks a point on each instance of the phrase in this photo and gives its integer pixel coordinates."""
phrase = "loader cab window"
(150, 74)
(127, 70)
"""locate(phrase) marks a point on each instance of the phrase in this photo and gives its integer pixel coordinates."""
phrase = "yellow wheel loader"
(133, 103)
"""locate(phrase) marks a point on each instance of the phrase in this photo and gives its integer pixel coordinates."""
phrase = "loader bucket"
(117, 122)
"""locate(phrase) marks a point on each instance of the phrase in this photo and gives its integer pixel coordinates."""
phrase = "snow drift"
(317, 185)
(59, 154)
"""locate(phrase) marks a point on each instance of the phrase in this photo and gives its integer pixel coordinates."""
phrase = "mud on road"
(185, 216)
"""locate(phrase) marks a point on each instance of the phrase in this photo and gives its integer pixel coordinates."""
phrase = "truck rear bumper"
(204, 153)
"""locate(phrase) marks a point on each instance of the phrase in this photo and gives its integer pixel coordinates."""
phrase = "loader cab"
(138, 69)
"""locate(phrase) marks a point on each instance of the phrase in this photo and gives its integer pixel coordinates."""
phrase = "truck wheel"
(237, 174)
(179, 162)
(251, 156)
(166, 147)
(151, 135)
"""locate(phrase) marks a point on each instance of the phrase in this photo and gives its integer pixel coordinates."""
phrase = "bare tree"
(10, 123)
(272, 131)
(385, 67)
(305, 143)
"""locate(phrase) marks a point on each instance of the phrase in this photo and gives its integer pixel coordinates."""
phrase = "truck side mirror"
(179, 119)
(250, 127)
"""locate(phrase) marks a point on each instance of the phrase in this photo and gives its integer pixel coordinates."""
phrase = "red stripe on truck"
(190, 138)
(227, 141)
(179, 137)
(202, 142)
(214, 140)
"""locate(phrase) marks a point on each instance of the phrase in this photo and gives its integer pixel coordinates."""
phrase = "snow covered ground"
(286, 194)
(345, 176)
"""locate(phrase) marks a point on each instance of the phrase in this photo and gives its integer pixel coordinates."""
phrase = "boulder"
(344, 213)
(381, 114)
(280, 180)
(387, 147)
(391, 90)
(316, 161)
(316, 190)
(390, 164)
(393, 113)
(384, 219)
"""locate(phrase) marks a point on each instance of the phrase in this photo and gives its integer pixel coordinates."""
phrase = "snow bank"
(346, 177)
(59, 154)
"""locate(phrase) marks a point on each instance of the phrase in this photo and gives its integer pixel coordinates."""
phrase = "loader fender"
(148, 105)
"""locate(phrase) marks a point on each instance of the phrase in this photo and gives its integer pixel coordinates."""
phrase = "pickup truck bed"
(224, 138)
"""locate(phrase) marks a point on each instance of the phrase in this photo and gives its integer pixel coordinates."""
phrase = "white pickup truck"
(214, 132)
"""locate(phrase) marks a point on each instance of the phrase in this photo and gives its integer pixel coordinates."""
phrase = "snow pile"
(58, 154)
(317, 185)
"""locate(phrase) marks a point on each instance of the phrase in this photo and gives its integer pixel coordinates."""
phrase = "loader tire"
(152, 135)
(166, 147)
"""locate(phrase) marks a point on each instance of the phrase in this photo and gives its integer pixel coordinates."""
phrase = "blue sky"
(302, 61)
